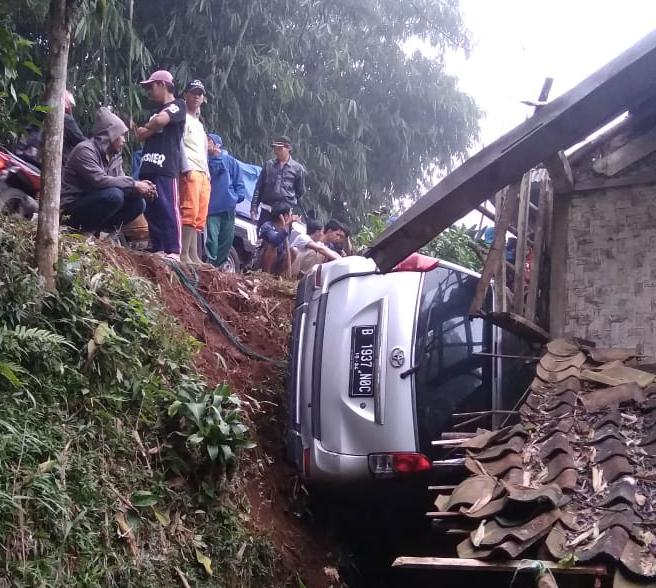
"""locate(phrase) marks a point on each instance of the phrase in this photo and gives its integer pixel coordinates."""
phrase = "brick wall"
(610, 283)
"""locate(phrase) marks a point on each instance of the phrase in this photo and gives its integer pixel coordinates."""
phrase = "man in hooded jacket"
(228, 190)
(96, 193)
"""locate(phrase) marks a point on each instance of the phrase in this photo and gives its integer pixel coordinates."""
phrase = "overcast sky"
(517, 43)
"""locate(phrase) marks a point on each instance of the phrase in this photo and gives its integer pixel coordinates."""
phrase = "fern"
(35, 335)
(9, 371)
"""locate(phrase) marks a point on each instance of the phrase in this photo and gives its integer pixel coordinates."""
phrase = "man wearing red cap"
(161, 163)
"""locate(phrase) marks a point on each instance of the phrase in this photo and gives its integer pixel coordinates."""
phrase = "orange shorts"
(194, 199)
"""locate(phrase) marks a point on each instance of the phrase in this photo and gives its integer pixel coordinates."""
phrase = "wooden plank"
(458, 564)
(460, 435)
(497, 250)
(440, 514)
(449, 463)
(538, 248)
(522, 246)
(613, 89)
(462, 415)
(449, 442)
(561, 173)
(519, 325)
(545, 91)
(628, 154)
(609, 184)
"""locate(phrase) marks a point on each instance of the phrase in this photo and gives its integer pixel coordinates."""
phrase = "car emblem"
(397, 357)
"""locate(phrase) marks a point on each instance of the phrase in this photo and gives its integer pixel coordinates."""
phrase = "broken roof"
(570, 118)
(577, 475)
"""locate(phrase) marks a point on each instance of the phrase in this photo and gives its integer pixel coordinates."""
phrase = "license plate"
(363, 360)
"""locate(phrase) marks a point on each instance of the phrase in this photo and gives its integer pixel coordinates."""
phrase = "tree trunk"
(47, 238)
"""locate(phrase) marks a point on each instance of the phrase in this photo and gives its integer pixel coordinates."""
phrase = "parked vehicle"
(380, 363)
(20, 183)
(245, 243)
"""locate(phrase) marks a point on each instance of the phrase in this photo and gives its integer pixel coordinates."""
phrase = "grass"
(101, 483)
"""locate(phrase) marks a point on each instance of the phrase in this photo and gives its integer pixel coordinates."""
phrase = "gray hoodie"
(90, 167)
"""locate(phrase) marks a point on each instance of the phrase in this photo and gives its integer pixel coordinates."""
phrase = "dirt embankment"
(257, 308)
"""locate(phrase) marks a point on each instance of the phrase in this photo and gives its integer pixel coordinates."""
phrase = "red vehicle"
(20, 184)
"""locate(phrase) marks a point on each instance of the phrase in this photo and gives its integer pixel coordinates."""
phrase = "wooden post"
(500, 276)
(538, 247)
(47, 238)
(497, 251)
(522, 235)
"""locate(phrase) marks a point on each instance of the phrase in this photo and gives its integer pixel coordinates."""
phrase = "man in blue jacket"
(227, 191)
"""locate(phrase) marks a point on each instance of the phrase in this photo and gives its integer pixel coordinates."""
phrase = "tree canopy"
(371, 121)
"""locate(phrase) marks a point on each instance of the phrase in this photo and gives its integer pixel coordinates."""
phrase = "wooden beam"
(627, 154)
(497, 250)
(485, 212)
(463, 564)
(519, 325)
(492, 216)
(522, 245)
(611, 183)
(536, 269)
(559, 124)
(560, 171)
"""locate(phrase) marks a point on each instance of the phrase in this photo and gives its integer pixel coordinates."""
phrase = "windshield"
(449, 378)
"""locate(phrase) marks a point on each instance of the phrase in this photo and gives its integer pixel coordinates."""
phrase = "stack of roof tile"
(577, 475)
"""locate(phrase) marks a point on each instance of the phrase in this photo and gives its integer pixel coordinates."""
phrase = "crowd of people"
(188, 185)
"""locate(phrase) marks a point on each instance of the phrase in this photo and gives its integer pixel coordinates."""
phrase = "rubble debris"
(582, 464)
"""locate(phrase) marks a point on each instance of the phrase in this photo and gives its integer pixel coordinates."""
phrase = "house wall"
(610, 278)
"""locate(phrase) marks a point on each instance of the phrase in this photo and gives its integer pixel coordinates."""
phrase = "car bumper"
(327, 467)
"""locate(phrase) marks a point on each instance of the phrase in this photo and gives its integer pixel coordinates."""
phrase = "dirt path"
(258, 309)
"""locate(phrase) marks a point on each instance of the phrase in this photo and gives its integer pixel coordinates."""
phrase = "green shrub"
(89, 375)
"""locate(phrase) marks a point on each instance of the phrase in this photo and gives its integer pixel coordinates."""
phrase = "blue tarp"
(249, 172)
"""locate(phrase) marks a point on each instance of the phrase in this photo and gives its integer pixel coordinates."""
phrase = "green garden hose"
(190, 285)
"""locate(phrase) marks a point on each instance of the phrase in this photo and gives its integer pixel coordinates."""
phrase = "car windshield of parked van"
(449, 377)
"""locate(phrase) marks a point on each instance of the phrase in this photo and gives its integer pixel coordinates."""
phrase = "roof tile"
(569, 430)
(615, 467)
(604, 398)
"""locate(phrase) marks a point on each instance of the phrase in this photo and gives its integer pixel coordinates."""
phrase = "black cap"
(195, 85)
(281, 141)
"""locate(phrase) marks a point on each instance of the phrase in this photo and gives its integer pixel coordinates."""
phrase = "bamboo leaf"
(205, 561)
(143, 498)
